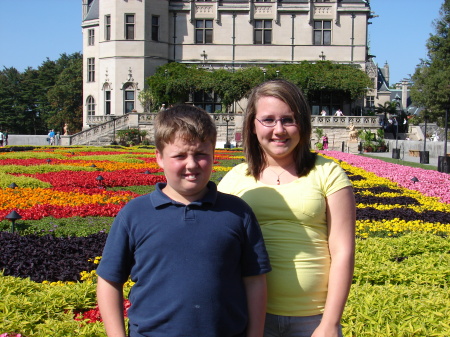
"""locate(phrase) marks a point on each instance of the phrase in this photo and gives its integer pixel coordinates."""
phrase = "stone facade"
(124, 41)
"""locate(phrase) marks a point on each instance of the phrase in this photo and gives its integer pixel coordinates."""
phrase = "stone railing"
(108, 126)
(360, 122)
(227, 125)
(102, 126)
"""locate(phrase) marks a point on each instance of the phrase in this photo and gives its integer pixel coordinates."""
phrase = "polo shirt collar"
(158, 197)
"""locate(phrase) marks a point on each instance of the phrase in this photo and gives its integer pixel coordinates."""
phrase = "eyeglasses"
(271, 122)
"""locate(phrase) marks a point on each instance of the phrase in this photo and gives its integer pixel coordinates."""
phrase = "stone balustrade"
(227, 126)
(360, 122)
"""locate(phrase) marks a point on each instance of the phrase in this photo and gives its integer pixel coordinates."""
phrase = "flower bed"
(430, 183)
(48, 276)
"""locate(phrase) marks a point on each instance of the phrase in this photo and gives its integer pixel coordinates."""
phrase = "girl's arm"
(341, 220)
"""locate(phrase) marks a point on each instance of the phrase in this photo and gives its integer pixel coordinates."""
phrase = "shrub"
(131, 137)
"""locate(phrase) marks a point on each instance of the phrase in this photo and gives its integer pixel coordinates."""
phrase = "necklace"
(278, 175)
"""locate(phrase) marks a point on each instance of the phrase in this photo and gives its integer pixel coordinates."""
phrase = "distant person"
(163, 107)
(197, 255)
(51, 137)
(325, 142)
(1, 138)
(5, 138)
(323, 113)
(58, 138)
(394, 127)
(339, 113)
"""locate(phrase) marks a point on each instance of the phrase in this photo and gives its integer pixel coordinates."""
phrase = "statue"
(353, 134)
(66, 131)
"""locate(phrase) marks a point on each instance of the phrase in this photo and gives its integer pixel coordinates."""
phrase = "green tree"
(18, 113)
(233, 86)
(29, 116)
(174, 82)
(10, 101)
(389, 107)
(66, 96)
(34, 101)
(431, 80)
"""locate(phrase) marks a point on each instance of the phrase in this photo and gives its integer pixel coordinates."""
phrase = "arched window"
(90, 106)
(129, 94)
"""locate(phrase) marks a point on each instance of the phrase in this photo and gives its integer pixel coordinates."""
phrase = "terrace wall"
(435, 149)
(37, 140)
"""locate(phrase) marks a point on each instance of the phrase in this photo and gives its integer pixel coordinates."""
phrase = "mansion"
(125, 41)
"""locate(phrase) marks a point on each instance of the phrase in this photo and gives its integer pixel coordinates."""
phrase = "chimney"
(405, 94)
(386, 72)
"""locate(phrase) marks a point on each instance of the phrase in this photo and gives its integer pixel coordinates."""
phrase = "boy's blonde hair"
(186, 121)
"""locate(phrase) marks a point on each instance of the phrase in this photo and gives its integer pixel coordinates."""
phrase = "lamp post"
(13, 216)
(396, 151)
(425, 155)
(446, 131)
(100, 180)
(205, 57)
(322, 56)
(227, 120)
(444, 161)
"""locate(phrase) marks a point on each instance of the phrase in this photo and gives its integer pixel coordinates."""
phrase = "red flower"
(93, 315)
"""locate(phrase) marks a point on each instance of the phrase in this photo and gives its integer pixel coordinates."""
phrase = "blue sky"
(32, 30)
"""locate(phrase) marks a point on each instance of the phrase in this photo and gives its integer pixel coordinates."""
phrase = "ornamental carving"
(263, 9)
(203, 9)
(371, 69)
(322, 11)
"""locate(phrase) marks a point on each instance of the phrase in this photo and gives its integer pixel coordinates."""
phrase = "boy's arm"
(110, 303)
(256, 290)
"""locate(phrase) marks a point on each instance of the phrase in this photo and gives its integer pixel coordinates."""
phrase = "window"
(129, 26)
(107, 27)
(108, 102)
(208, 101)
(155, 28)
(263, 32)
(91, 69)
(91, 37)
(90, 106)
(370, 101)
(322, 33)
(129, 98)
(203, 31)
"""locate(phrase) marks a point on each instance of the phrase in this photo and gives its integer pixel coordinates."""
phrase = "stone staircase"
(100, 134)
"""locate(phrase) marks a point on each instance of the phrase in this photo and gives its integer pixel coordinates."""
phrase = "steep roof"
(93, 12)
(382, 84)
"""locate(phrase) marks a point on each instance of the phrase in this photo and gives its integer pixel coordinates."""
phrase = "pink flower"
(430, 183)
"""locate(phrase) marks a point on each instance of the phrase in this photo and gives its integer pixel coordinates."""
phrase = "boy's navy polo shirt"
(188, 262)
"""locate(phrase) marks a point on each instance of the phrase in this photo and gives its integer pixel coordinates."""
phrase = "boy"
(196, 255)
